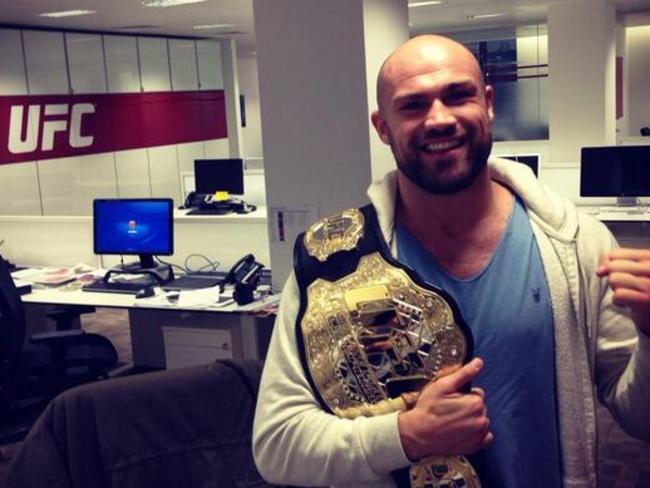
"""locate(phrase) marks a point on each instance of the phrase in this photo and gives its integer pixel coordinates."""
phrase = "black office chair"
(32, 374)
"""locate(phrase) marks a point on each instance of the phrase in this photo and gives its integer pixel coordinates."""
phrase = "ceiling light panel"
(168, 3)
(67, 13)
(214, 26)
(483, 16)
(424, 4)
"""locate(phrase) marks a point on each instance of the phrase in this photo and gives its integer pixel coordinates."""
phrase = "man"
(556, 313)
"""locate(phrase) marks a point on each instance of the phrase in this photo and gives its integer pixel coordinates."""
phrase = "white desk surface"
(258, 215)
(60, 296)
(605, 214)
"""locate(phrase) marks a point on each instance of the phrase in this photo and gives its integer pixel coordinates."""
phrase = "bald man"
(557, 314)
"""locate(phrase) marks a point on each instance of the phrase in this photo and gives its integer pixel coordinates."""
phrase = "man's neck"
(461, 230)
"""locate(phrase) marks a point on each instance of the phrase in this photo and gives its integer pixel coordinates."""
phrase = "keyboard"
(115, 287)
(205, 273)
(209, 211)
(192, 282)
(623, 210)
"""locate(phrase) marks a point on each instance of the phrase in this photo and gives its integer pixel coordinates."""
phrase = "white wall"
(385, 25)
(68, 240)
(581, 51)
(45, 62)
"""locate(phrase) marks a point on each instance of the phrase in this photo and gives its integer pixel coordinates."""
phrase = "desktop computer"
(215, 176)
(142, 227)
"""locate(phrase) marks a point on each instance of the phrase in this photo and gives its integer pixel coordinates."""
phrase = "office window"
(515, 62)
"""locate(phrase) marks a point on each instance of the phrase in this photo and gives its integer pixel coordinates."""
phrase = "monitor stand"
(627, 201)
(630, 205)
(161, 273)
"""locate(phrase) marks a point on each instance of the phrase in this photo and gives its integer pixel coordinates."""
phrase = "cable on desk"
(186, 269)
(210, 264)
(169, 264)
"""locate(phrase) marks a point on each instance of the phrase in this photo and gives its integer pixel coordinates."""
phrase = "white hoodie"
(596, 350)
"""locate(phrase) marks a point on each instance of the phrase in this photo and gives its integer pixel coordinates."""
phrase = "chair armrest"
(55, 336)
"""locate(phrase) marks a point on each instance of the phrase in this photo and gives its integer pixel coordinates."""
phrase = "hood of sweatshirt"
(556, 215)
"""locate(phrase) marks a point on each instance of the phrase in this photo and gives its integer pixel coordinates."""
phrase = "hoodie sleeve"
(622, 362)
(295, 441)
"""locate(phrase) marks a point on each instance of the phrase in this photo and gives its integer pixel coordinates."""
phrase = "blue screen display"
(133, 226)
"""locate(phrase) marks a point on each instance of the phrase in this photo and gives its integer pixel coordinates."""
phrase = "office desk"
(631, 229)
(606, 214)
(155, 329)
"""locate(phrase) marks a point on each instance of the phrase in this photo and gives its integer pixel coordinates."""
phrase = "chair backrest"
(12, 315)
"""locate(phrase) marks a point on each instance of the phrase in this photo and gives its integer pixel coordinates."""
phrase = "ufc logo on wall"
(56, 118)
(39, 127)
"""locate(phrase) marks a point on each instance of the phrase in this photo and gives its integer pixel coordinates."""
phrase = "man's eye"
(412, 106)
(460, 96)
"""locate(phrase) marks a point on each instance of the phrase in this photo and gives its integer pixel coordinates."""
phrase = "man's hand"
(628, 274)
(446, 421)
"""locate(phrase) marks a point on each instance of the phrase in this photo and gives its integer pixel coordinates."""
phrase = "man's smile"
(442, 146)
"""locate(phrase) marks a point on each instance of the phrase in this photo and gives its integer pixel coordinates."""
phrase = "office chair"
(31, 374)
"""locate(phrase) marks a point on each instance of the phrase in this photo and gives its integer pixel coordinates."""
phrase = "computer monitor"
(134, 226)
(615, 171)
(213, 175)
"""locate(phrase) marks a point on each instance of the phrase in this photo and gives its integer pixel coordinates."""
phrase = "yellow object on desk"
(220, 196)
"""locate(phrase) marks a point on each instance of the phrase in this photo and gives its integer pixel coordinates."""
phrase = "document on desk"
(200, 299)
(46, 276)
(203, 297)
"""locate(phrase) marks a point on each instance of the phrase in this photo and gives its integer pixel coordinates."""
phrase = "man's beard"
(433, 180)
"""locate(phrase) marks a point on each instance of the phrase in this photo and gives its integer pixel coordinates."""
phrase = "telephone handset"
(194, 199)
(245, 275)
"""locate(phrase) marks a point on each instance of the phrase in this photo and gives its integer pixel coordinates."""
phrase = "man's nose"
(439, 116)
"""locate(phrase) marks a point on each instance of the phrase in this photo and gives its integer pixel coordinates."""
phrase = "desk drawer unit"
(185, 346)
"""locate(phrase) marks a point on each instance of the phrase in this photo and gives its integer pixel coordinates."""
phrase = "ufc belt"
(371, 333)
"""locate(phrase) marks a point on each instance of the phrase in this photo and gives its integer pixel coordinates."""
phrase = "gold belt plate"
(375, 334)
(375, 328)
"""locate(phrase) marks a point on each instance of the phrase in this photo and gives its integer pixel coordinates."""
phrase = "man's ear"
(489, 101)
(380, 126)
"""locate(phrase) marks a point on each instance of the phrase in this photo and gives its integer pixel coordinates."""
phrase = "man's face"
(437, 117)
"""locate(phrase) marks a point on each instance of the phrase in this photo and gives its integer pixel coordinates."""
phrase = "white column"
(623, 123)
(581, 87)
(314, 108)
(637, 74)
(385, 27)
(231, 89)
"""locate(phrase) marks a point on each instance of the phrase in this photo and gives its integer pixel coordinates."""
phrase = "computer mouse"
(145, 292)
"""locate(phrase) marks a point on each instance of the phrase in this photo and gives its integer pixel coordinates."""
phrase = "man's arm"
(626, 275)
(622, 355)
(295, 441)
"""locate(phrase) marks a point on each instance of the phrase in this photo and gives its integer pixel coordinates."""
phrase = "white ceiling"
(131, 16)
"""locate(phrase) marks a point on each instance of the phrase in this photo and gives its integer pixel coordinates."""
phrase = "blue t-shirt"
(507, 307)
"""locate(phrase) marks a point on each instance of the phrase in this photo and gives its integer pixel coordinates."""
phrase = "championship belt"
(371, 333)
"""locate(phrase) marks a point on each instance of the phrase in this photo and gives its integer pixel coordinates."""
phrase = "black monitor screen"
(615, 171)
(212, 175)
(140, 226)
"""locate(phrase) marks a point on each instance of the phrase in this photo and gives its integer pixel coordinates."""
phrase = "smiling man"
(438, 123)
(459, 328)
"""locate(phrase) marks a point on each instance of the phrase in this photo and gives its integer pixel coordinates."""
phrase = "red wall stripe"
(74, 125)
